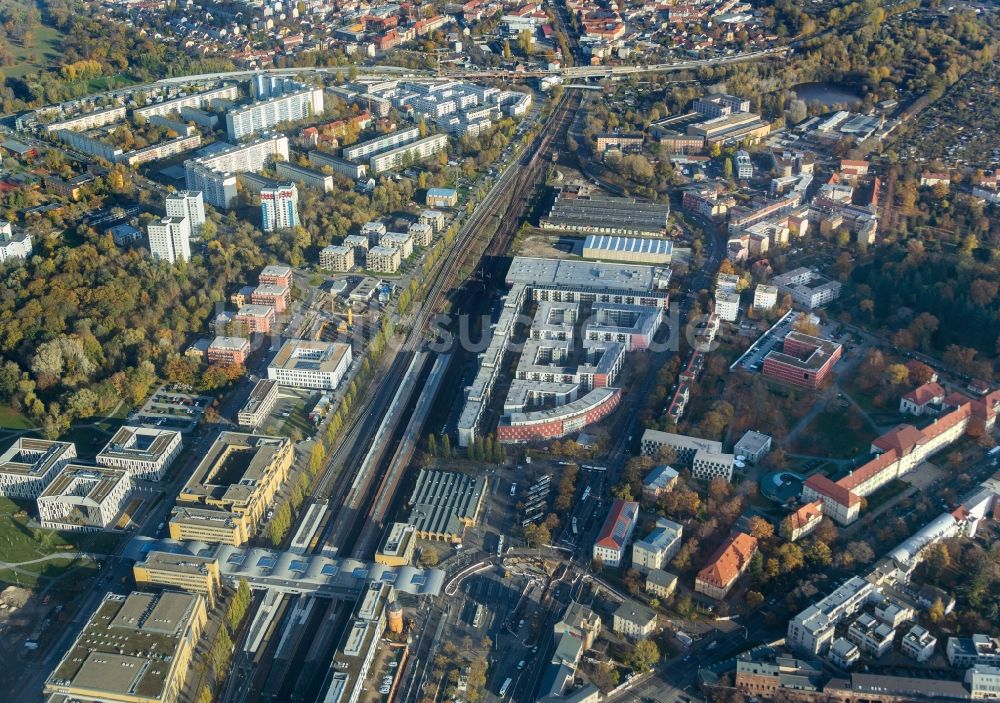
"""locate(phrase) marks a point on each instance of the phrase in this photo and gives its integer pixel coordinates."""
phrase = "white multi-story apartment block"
(301, 363)
(189, 204)
(765, 297)
(744, 166)
(812, 630)
(434, 218)
(383, 259)
(146, 453)
(385, 142)
(918, 644)
(360, 244)
(337, 257)
(305, 176)
(657, 548)
(408, 153)
(297, 103)
(978, 650)
(279, 207)
(84, 498)
(88, 120)
(874, 638)
(13, 245)
(727, 305)
(196, 100)
(170, 239)
(263, 398)
(215, 174)
(844, 653)
(398, 240)
(423, 234)
(29, 465)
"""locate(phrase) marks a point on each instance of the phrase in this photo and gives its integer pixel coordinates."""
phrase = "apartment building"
(422, 234)
(29, 465)
(275, 295)
(359, 244)
(302, 363)
(725, 566)
(727, 305)
(215, 173)
(305, 176)
(279, 207)
(407, 153)
(229, 351)
(977, 650)
(87, 120)
(918, 644)
(137, 648)
(170, 239)
(804, 361)
(350, 169)
(765, 297)
(656, 549)
(661, 584)
(434, 218)
(189, 204)
(385, 142)
(616, 532)
(337, 257)
(383, 259)
(873, 638)
(812, 630)
(275, 275)
(187, 572)
(146, 453)
(232, 488)
(256, 319)
(744, 166)
(844, 653)
(808, 287)
(398, 240)
(296, 101)
(194, 100)
(634, 620)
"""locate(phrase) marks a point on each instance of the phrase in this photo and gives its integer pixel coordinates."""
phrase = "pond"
(826, 93)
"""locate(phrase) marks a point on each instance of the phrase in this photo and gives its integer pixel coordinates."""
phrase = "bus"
(500, 546)
(477, 619)
(575, 531)
(506, 685)
(586, 493)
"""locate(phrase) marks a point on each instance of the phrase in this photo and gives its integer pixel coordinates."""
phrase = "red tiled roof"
(618, 524)
(921, 395)
(729, 560)
(806, 514)
(902, 438)
(872, 468)
(837, 493)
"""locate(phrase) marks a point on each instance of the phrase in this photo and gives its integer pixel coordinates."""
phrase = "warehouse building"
(444, 503)
(632, 250)
(605, 214)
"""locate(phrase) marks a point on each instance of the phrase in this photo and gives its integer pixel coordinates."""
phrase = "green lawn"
(830, 435)
(11, 419)
(43, 53)
(20, 542)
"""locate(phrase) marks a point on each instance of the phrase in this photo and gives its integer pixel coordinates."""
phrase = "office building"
(337, 257)
(807, 287)
(616, 532)
(13, 244)
(215, 173)
(84, 498)
(170, 239)
(188, 572)
(29, 465)
(229, 351)
(398, 545)
(660, 583)
(444, 503)
(383, 259)
(279, 207)
(146, 453)
(707, 465)
(683, 447)
(301, 363)
(189, 204)
(137, 648)
(752, 447)
(232, 488)
(407, 153)
(293, 102)
(634, 620)
(803, 361)
(656, 549)
(725, 566)
(263, 397)
(659, 481)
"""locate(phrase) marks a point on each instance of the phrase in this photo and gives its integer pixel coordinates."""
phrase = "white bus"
(500, 546)
(477, 620)
(506, 685)
(575, 531)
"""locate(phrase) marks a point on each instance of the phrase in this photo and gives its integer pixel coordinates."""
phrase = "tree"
(429, 557)
(506, 49)
(432, 448)
(445, 446)
(761, 528)
(605, 676)
(897, 374)
(643, 656)
(754, 599)
(727, 168)
(537, 535)
(524, 42)
(937, 611)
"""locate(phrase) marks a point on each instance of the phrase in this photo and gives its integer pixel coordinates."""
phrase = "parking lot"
(172, 408)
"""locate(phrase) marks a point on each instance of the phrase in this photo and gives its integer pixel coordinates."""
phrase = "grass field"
(830, 435)
(43, 53)
(10, 419)
(21, 542)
